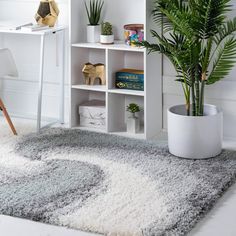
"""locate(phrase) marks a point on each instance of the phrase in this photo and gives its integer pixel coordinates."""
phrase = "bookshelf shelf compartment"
(79, 57)
(118, 60)
(117, 104)
(79, 97)
(116, 57)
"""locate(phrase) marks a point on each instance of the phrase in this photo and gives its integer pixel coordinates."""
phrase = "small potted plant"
(133, 123)
(94, 14)
(106, 36)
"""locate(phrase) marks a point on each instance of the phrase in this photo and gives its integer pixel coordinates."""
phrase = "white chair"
(7, 68)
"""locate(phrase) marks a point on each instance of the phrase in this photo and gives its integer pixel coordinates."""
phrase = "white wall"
(21, 95)
(222, 94)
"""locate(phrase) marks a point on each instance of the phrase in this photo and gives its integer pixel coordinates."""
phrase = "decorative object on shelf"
(130, 79)
(93, 72)
(201, 56)
(47, 13)
(133, 122)
(93, 114)
(107, 36)
(94, 14)
(133, 33)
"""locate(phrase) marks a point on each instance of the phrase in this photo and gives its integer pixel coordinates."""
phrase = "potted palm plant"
(199, 40)
(94, 14)
(107, 36)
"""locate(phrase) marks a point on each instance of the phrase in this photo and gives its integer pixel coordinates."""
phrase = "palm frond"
(224, 61)
(225, 30)
(206, 55)
(210, 15)
(172, 14)
(150, 47)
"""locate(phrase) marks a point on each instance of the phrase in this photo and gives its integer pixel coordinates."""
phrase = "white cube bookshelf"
(116, 57)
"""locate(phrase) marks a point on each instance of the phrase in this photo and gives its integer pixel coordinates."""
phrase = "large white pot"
(195, 137)
(93, 33)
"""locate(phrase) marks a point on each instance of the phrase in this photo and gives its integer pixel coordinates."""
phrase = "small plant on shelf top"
(106, 28)
(107, 36)
(94, 11)
(133, 108)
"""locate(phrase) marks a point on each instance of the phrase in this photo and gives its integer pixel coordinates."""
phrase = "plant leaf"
(224, 62)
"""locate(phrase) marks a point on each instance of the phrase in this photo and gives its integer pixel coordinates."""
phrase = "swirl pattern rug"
(109, 184)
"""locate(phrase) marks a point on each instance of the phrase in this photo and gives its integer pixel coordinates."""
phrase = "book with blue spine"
(130, 79)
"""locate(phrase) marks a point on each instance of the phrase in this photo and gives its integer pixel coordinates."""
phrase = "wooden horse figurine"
(93, 72)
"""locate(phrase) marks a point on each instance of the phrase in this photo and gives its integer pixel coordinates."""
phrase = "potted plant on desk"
(107, 36)
(94, 14)
(200, 42)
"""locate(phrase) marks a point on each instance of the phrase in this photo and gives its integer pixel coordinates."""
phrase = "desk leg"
(41, 74)
(62, 81)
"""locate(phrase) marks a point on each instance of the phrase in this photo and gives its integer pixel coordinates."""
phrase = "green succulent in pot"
(94, 11)
(107, 36)
(106, 28)
(199, 40)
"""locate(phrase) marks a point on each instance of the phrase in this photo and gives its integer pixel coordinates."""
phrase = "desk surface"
(40, 32)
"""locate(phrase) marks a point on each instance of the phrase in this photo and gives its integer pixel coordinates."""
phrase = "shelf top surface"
(118, 45)
(127, 92)
(40, 32)
(102, 88)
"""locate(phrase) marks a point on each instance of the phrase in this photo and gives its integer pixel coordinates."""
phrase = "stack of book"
(33, 28)
(25, 27)
(130, 79)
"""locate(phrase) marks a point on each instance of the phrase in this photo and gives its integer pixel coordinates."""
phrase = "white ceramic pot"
(195, 137)
(93, 33)
(106, 39)
(133, 125)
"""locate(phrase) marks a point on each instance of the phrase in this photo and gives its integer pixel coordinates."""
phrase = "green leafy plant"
(200, 42)
(133, 108)
(94, 11)
(106, 28)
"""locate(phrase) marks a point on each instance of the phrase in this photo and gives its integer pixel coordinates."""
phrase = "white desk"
(42, 34)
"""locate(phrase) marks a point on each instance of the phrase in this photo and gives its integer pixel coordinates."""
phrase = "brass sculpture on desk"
(93, 72)
(47, 13)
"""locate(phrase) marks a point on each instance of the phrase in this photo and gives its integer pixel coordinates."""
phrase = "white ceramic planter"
(106, 39)
(93, 33)
(195, 137)
(133, 125)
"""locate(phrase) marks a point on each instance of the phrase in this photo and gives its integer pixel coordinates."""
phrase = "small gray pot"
(133, 125)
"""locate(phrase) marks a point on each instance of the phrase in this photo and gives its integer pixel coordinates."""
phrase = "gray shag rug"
(111, 185)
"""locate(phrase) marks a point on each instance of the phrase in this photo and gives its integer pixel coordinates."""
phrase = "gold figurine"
(47, 13)
(92, 72)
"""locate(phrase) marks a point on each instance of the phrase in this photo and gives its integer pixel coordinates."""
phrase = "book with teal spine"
(130, 79)
(130, 85)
